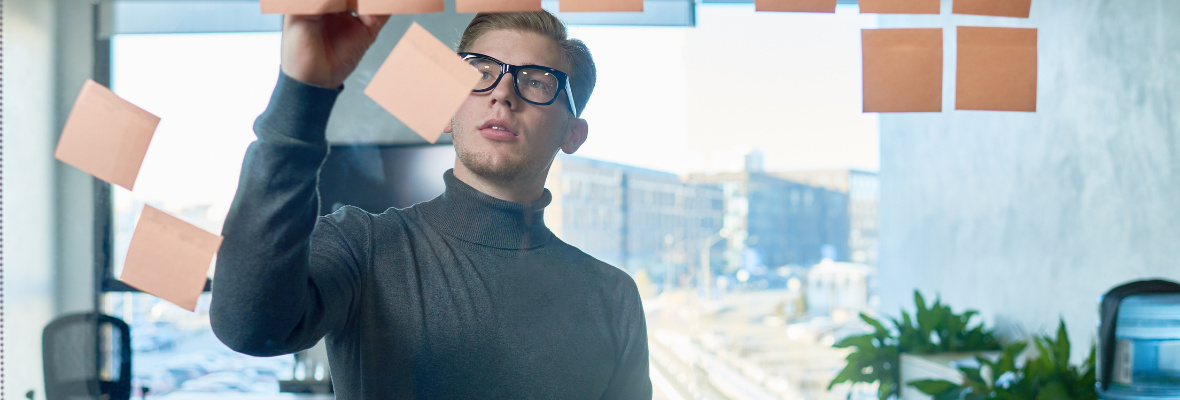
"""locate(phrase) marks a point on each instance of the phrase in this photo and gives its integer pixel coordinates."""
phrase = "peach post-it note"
(303, 7)
(998, 8)
(900, 6)
(106, 136)
(601, 5)
(475, 6)
(997, 69)
(422, 83)
(817, 6)
(388, 7)
(902, 70)
(169, 258)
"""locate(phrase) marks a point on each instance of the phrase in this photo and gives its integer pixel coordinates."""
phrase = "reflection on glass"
(737, 205)
(752, 238)
(207, 89)
(174, 350)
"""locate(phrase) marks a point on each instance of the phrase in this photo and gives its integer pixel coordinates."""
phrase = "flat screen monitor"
(377, 177)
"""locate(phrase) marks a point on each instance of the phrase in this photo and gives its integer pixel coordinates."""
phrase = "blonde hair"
(582, 73)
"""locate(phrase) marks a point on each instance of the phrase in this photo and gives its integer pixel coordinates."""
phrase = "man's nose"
(505, 91)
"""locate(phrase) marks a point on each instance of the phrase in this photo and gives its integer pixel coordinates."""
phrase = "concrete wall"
(74, 195)
(28, 189)
(1028, 217)
(49, 206)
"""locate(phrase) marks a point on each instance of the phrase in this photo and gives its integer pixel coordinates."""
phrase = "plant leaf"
(932, 386)
(877, 326)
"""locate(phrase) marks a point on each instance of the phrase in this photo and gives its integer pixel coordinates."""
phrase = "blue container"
(1146, 359)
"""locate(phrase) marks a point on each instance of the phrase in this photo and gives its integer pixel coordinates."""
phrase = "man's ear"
(578, 131)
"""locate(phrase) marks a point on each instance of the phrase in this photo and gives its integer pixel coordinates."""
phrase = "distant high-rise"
(630, 217)
(862, 188)
(776, 222)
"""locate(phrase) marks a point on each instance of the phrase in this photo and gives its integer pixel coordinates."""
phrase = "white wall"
(49, 206)
(28, 190)
(1028, 217)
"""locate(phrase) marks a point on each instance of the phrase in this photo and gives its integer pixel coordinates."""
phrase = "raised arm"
(285, 276)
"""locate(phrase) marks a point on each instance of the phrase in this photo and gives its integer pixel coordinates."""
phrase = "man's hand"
(322, 50)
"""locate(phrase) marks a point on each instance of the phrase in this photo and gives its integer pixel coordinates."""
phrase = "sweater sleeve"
(631, 378)
(285, 277)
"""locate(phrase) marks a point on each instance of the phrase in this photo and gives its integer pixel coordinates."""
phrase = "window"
(690, 105)
(709, 96)
(207, 89)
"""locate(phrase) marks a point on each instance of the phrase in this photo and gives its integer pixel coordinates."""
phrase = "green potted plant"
(935, 329)
(1047, 377)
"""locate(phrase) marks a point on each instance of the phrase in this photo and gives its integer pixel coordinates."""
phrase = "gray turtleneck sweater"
(463, 296)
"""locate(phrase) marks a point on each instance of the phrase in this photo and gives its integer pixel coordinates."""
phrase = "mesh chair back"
(87, 356)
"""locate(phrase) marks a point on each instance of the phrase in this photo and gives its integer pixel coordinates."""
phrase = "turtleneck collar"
(468, 214)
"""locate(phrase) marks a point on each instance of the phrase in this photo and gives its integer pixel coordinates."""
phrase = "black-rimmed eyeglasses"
(534, 83)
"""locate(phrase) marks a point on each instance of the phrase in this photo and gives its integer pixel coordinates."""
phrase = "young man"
(468, 295)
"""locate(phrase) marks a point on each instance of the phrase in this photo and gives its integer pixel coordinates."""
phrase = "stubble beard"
(504, 168)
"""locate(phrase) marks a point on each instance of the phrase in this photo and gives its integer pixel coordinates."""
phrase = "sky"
(697, 99)
(678, 99)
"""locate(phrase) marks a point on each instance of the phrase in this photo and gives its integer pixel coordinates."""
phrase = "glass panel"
(729, 197)
(207, 89)
(732, 155)
(175, 351)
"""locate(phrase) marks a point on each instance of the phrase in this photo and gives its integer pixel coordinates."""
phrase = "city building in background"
(776, 223)
(633, 218)
(862, 188)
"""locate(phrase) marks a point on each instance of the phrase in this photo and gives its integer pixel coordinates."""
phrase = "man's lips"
(498, 130)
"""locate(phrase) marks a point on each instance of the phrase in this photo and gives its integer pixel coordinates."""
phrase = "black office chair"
(77, 366)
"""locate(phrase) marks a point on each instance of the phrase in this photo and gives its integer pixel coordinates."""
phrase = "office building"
(862, 188)
(776, 222)
(630, 217)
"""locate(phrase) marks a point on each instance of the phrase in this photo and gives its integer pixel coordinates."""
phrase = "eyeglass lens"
(537, 86)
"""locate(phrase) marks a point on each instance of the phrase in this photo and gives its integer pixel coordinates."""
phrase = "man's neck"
(526, 190)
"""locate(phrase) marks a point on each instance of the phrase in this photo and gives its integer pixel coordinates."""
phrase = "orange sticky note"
(303, 7)
(902, 70)
(387, 7)
(601, 5)
(998, 8)
(997, 69)
(106, 136)
(900, 6)
(169, 258)
(422, 82)
(818, 6)
(475, 6)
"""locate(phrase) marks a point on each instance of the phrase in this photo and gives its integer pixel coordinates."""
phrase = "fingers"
(291, 19)
(374, 23)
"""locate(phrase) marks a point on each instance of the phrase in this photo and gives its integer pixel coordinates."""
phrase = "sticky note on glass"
(106, 136)
(303, 7)
(601, 6)
(387, 7)
(422, 83)
(474, 6)
(817, 6)
(998, 8)
(902, 70)
(997, 69)
(899, 6)
(169, 258)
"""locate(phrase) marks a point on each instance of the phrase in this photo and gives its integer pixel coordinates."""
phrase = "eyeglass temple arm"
(569, 93)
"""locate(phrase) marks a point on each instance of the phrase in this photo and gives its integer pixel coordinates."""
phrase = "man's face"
(498, 135)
